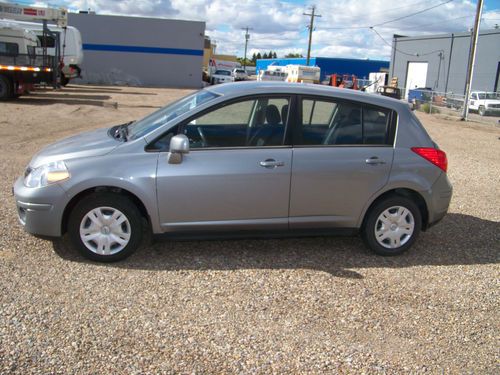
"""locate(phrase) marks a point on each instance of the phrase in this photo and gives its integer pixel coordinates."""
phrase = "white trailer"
(216, 64)
(302, 73)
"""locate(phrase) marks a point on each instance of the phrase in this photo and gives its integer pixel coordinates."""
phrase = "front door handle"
(271, 163)
(374, 160)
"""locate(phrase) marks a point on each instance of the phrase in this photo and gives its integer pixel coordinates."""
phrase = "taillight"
(434, 155)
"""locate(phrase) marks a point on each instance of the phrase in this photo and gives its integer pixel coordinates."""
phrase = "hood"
(92, 143)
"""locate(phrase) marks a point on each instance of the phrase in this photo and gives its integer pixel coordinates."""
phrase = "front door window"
(259, 122)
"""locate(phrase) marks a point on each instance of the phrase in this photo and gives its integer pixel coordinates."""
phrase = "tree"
(275, 56)
(248, 62)
(264, 56)
(293, 55)
(254, 58)
(270, 56)
(259, 56)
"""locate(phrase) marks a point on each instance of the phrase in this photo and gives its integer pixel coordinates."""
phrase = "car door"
(237, 173)
(342, 156)
(473, 101)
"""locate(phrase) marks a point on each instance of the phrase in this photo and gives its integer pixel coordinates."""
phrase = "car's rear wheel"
(105, 227)
(392, 226)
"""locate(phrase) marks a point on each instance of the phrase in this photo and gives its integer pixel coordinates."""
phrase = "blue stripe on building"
(140, 49)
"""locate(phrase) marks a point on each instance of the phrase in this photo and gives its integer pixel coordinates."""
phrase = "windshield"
(488, 95)
(223, 72)
(156, 119)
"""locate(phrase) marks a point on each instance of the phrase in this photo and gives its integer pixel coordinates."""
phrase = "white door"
(416, 75)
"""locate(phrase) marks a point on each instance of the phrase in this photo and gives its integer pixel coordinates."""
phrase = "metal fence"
(27, 60)
(434, 102)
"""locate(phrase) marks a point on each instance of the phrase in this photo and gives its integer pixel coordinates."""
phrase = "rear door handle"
(374, 160)
(271, 163)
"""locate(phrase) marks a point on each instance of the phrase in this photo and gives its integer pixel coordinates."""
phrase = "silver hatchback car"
(240, 159)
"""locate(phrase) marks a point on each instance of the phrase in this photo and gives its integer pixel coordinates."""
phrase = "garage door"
(416, 75)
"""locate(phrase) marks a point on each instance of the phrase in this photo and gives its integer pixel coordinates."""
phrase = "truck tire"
(5, 88)
(481, 110)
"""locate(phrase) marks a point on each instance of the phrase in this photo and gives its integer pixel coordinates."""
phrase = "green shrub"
(426, 107)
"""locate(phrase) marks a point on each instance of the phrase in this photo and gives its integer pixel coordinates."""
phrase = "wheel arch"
(414, 195)
(113, 189)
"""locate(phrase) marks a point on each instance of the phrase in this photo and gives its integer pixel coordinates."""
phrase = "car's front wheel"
(392, 226)
(105, 227)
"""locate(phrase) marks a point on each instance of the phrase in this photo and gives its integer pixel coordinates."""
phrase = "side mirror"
(179, 145)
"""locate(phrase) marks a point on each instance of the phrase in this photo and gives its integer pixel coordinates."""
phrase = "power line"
(403, 52)
(311, 27)
(413, 14)
(390, 21)
(436, 23)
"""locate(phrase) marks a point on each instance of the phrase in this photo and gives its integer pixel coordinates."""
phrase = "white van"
(70, 46)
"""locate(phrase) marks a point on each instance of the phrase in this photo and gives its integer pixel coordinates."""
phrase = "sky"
(343, 30)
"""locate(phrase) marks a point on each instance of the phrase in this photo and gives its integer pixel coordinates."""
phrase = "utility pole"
(311, 28)
(472, 58)
(247, 37)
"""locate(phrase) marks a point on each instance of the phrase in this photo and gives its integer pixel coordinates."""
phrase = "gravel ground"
(249, 306)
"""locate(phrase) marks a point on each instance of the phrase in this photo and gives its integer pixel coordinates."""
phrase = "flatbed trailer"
(19, 74)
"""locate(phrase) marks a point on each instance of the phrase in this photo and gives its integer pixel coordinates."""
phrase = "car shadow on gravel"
(457, 240)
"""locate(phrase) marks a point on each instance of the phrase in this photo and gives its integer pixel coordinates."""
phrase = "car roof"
(279, 87)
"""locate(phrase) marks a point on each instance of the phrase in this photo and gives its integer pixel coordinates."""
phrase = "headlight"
(46, 174)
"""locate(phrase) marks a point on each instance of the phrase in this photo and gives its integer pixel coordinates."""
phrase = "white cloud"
(280, 26)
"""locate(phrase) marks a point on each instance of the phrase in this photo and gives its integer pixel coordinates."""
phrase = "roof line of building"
(401, 38)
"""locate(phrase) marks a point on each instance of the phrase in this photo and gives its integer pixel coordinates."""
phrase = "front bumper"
(40, 210)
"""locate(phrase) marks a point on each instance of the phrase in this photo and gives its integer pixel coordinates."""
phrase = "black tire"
(5, 88)
(481, 111)
(371, 222)
(64, 80)
(115, 201)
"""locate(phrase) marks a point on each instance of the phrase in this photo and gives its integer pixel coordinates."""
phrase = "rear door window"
(330, 122)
